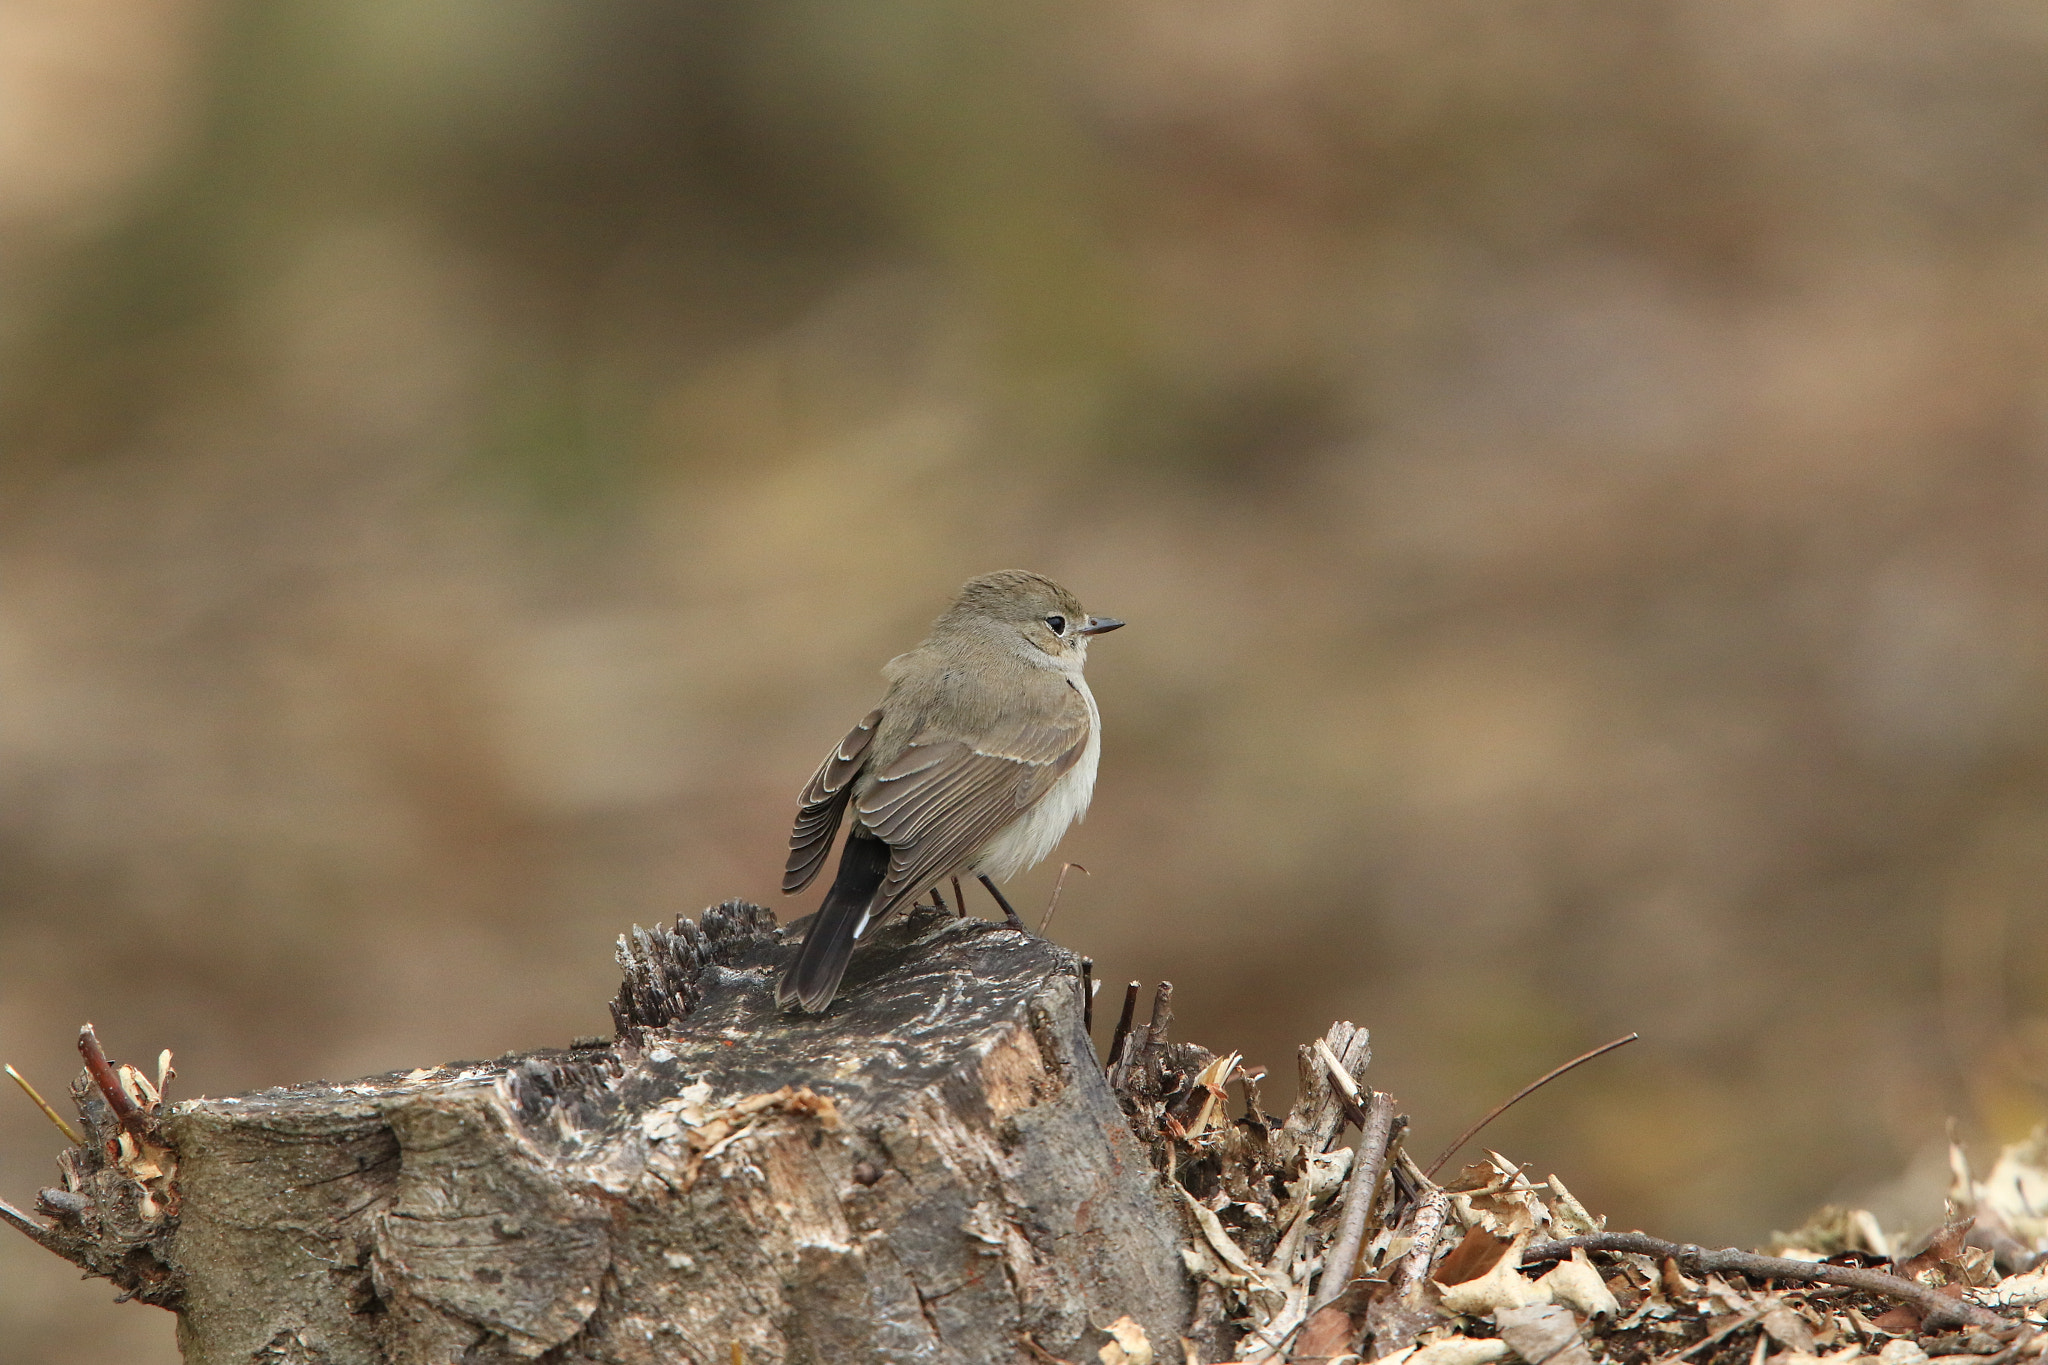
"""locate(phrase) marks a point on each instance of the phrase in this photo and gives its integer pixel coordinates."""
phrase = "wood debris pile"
(1309, 1265)
(117, 1206)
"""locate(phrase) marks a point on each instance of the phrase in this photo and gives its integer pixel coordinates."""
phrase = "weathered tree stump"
(935, 1170)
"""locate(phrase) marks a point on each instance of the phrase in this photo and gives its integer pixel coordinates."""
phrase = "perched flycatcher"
(981, 754)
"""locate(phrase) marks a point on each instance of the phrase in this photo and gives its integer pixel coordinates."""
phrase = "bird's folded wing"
(823, 803)
(943, 798)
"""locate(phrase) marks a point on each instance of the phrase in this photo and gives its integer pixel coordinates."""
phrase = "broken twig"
(1123, 1024)
(1531, 1088)
(63, 1125)
(1057, 887)
(1935, 1305)
(29, 1227)
(1430, 1216)
(1366, 1166)
(133, 1121)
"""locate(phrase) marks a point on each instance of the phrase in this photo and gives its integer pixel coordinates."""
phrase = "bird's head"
(1039, 611)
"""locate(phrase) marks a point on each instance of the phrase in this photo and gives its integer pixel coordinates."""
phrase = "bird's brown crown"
(1013, 595)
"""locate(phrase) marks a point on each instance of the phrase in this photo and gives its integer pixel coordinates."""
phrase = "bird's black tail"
(810, 982)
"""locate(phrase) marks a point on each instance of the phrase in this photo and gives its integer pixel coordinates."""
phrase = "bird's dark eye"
(1058, 624)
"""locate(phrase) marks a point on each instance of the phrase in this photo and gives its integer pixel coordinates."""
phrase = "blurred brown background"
(1577, 475)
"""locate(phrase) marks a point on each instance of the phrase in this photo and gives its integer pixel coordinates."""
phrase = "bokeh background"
(1577, 475)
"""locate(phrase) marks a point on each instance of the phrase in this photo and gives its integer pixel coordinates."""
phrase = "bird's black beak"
(1101, 625)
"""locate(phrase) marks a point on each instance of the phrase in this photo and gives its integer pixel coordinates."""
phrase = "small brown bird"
(981, 754)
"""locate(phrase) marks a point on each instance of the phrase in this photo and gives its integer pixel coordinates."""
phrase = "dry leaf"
(1901, 1352)
(1578, 1286)
(1456, 1351)
(1128, 1344)
(1543, 1333)
(1213, 1078)
(2016, 1290)
(1503, 1287)
(1830, 1232)
(1568, 1215)
(2015, 1195)
(1326, 1334)
(1472, 1257)
(1498, 1197)
(1789, 1330)
(1323, 1176)
(1938, 1262)
(1676, 1286)
(1219, 1240)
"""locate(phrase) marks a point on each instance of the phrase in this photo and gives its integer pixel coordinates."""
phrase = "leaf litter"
(1494, 1265)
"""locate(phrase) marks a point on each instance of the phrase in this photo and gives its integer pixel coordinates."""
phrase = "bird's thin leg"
(959, 899)
(1015, 922)
(939, 899)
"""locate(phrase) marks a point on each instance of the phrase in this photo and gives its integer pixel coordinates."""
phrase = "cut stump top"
(934, 1169)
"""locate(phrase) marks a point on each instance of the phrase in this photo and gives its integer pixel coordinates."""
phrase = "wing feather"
(823, 803)
(942, 799)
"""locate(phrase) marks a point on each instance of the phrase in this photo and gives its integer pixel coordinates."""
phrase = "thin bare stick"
(1430, 1217)
(1370, 1160)
(131, 1118)
(28, 1226)
(1039, 1353)
(1938, 1307)
(1531, 1088)
(1054, 903)
(1088, 985)
(63, 1125)
(1748, 1319)
(1123, 1024)
(1162, 1011)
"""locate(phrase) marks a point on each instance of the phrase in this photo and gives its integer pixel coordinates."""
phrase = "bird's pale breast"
(1032, 835)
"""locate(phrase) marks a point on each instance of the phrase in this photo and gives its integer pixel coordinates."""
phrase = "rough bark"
(935, 1170)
